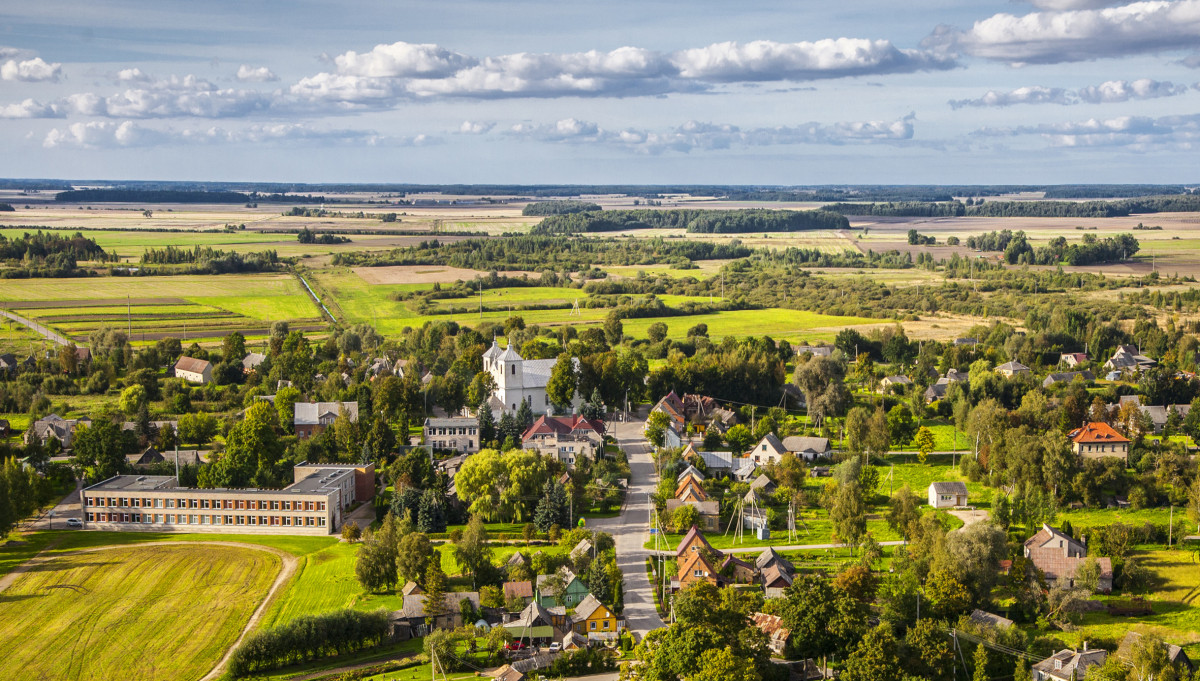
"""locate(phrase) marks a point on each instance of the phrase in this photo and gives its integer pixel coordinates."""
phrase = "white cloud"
(31, 109)
(30, 70)
(110, 135)
(1135, 132)
(250, 74)
(403, 60)
(1105, 93)
(1024, 95)
(765, 60)
(1124, 90)
(1052, 37)
(133, 75)
(715, 136)
(475, 127)
(1059, 5)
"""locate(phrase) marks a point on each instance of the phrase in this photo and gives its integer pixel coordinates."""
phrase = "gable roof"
(949, 488)
(692, 471)
(523, 589)
(191, 364)
(772, 441)
(252, 360)
(897, 380)
(1072, 664)
(692, 535)
(762, 482)
(587, 607)
(1067, 377)
(1013, 366)
(310, 413)
(411, 588)
(563, 425)
(1175, 654)
(771, 557)
(987, 619)
(797, 443)
(1096, 432)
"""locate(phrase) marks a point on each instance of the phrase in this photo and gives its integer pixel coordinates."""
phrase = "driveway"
(631, 529)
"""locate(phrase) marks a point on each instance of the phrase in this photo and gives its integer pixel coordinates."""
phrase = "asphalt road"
(38, 328)
(631, 529)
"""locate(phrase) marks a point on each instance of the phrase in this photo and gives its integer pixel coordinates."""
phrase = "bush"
(308, 638)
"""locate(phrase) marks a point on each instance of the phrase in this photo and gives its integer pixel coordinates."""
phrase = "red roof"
(563, 425)
(1096, 432)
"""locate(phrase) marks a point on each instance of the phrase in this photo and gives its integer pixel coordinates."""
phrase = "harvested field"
(423, 274)
(95, 302)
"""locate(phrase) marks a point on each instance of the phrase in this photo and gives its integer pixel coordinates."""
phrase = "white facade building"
(519, 379)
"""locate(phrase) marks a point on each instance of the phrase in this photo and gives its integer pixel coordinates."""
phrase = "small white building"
(948, 494)
(519, 379)
(459, 433)
(194, 370)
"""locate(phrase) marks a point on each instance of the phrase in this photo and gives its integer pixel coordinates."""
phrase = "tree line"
(693, 220)
(204, 260)
(562, 207)
(308, 638)
(118, 195)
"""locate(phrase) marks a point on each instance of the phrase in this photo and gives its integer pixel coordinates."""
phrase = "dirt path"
(37, 328)
(287, 569)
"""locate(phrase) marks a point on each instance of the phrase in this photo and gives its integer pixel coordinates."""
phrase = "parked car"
(555, 647)
(516, 645)
(74, 522)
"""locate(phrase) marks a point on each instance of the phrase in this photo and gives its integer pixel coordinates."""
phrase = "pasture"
(150, 612)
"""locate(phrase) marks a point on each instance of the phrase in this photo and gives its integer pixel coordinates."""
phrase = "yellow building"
(594, 620)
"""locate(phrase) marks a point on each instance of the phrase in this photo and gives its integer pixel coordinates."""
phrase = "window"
(320, 505)
(514, 370)
(698, 573)
(137, 517)
(321, 521)
(241, 520)
(274, 505)
(287, 505)
(158, 518)
(592, 626)
(606, 623)
(91, 517)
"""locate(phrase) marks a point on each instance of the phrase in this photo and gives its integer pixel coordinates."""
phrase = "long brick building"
(314, 504)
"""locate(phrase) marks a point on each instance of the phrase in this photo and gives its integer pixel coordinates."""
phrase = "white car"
(555, 647)
(74, 522)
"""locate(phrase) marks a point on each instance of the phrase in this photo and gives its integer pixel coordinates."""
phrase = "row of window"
(452, 444)
(1102, 448)
(193, 519)
(229, 504)
(452, 431)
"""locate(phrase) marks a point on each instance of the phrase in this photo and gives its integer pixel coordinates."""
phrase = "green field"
(209, 306)
(148, 613)
(359, 301)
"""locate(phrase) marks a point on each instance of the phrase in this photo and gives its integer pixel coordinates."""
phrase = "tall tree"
(98, 447)
(554, 507)
(849, 514)
(472, 552)
(413, 557)
(486, 422)
(563, 382)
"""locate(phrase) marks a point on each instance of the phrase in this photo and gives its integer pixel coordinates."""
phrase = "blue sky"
(769, 92)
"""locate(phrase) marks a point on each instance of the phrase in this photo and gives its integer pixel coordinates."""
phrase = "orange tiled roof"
(1096, 432)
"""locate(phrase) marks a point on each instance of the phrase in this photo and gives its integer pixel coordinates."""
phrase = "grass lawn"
(1175, 597)
(147, 613)
(374, 655)
(1083, 518)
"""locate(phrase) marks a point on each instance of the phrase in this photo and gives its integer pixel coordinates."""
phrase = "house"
(1068, 665)
(890, 382)
(1058, 555)
(768, 450)
(458, 433)
(413, 615)
(710, 512)
(689, 489)
(574, 641)
(313, 417)
(594, 620)
(1157, 415)
(1128, 359)
(736, 570)
(1013, 368)
(411, 588)
(583, 548)
(517, 558)
(760, 488)
(8, 364)
(251, 361)
(717, 463)
(941, 387)
(573, 592)
(697, 567)
(1112, 376)
(672, 406)
(987, 620)
(772, 626)
(808, 448)
(1067, 377)
(194, 370)
(1073, 359)
(1175, 655)
(692, 542)
(537, 625)
(566, 438)
(690, 472)
(814, 350)
(54, 426)
(966, 341)
(1098, 440)
(518, 379)
(147, 457)
(522, 590)
(948, 494)
(155, 426)
(775, 573)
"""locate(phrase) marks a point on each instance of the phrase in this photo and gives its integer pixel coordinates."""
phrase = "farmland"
(179, 607)
(187, 306)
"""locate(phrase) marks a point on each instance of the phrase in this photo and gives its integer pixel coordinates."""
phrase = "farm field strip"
(179, 607)
(188, 286)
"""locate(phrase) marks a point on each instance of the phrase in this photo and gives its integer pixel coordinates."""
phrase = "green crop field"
(776, 322)
(148, 613)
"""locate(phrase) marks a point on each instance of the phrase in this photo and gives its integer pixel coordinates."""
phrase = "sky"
(776, 92)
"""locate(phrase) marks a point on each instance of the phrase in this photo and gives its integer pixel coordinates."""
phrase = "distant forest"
(44, 254)
(175, 196)
(1034, 209)
(693, 220)
(563, 207)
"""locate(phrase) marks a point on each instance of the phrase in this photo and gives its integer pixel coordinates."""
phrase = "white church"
(519, 379)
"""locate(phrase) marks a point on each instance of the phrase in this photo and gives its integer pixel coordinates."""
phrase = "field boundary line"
(37, 328)
(312, 294)
(287, 568)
